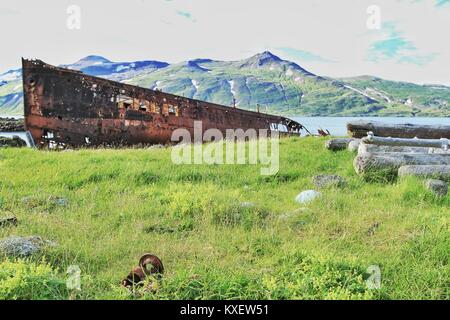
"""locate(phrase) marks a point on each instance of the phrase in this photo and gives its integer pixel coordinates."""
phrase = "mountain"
(99, 66)
(268, 60)
(278, 86)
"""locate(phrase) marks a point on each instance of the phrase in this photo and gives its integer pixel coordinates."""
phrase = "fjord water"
(338, 125)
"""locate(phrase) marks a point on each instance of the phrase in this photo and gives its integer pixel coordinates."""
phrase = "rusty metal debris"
(324, 133)
(68, 108)
(149, 266)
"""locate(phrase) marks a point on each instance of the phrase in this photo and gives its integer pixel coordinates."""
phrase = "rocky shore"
(12, 125)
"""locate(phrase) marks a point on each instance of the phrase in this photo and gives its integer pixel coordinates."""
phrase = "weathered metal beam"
(338, 144)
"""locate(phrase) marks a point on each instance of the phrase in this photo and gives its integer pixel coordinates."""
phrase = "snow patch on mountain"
(157, 85)
(233, 90)
(379, 93)
(231, 83)
(122, 67)
(358, 91)
(196, 84)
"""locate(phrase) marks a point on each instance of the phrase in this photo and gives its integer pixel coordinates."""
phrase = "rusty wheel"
(150, 260)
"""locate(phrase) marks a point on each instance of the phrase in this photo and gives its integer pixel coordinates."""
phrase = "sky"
(405, 40)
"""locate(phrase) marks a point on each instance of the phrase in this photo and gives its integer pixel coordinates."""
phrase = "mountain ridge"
(280, 86)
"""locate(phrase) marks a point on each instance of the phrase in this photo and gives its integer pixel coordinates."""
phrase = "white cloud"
(229, 30)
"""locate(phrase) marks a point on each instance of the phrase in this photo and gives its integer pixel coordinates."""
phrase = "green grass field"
(120, 204)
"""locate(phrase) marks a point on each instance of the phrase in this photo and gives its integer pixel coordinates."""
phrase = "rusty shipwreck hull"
(69, 108)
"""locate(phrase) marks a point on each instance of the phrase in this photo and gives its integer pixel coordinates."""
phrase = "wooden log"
(359, 129)
(388, 164)
(338, 144)
(440, 172)
(372, 148)
(354, 145)
(438, 151)
(381, 141)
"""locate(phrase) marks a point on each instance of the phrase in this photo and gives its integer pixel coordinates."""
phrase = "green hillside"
(279, 86)
(405, 98)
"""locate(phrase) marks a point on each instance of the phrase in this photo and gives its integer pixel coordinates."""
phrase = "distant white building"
(409, 102)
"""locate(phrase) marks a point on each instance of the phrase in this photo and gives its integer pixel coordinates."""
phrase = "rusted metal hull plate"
(68, 108)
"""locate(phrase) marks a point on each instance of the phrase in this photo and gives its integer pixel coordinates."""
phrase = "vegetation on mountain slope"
(406, 98)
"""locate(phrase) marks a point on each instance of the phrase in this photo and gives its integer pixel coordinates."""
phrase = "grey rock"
(338, 144)
(438, 187)
(326, 181)
(23, 247)
(33, 201)
(307, 196)
(59, 201)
